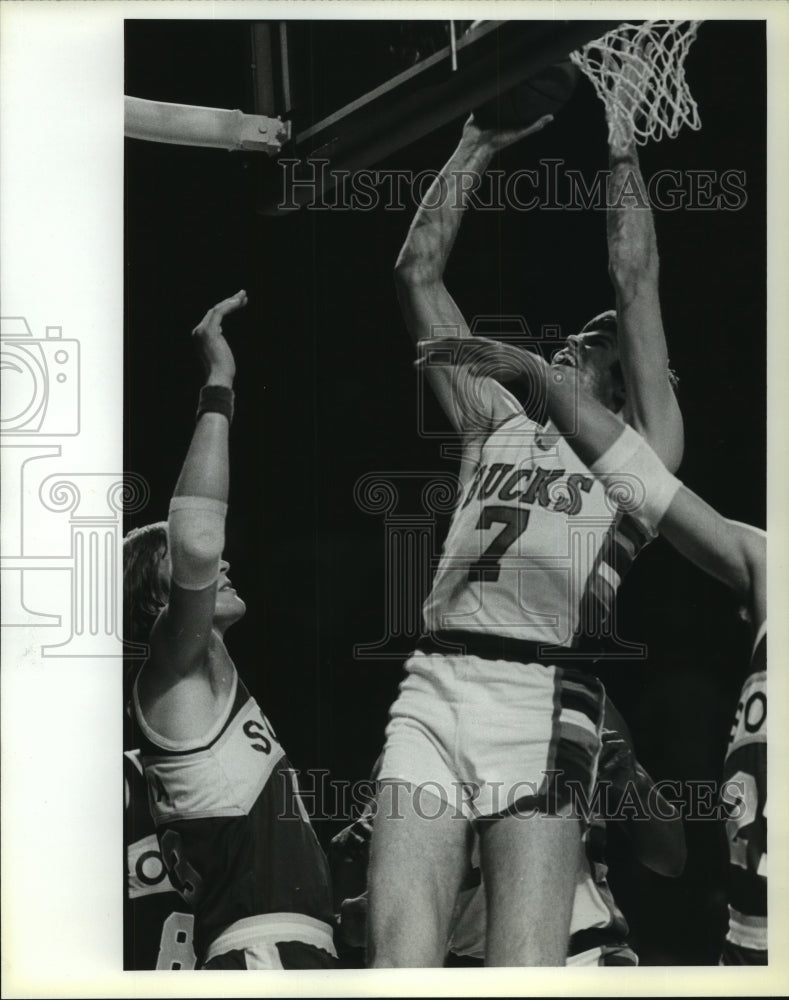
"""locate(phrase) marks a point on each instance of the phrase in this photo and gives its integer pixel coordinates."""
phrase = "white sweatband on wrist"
(636, 480)
(196, 529)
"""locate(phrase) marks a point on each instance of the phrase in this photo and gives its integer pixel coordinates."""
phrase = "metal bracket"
(188, 125)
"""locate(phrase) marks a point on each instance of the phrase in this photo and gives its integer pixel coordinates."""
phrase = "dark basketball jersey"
(234, 833)
(745, 800)
(157, 932)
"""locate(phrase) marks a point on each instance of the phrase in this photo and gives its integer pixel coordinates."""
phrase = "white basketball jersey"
(535, 551)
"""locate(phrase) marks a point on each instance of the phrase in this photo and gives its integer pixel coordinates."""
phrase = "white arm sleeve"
(196, 529)
(636, 480)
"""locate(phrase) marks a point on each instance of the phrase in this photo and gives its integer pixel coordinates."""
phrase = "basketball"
(546, 93)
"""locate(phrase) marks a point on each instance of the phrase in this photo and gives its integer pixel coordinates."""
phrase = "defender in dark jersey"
(159, 927)
(745, 797)
(732, 552)
(233, 831)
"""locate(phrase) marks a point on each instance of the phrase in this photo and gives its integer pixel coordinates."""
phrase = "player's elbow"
(753, 561)
(665, 853)
(193, 554)
(668, 868)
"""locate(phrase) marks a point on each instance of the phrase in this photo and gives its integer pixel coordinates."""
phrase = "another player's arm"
(483, 359)
(180, 636)
(659, 841)
(651, 405)
(348, 857)
(651, 823)
(419, 272)
(732, 552)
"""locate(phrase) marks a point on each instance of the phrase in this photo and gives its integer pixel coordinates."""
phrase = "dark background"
(326, 394)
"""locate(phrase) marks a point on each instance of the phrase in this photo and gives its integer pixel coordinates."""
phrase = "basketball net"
(638, 73)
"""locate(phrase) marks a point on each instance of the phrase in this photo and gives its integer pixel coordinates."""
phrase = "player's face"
(593, 354)
(229, 606)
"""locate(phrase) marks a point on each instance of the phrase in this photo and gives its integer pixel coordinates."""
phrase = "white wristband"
(636, 480)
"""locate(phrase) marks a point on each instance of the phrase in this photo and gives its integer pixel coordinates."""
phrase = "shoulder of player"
(161, 695)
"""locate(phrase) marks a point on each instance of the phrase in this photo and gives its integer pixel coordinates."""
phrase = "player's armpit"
(181, 634)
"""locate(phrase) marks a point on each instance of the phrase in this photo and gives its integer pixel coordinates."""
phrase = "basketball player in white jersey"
(732, 552)
(233, 831)
(492, 716)
(598, 930)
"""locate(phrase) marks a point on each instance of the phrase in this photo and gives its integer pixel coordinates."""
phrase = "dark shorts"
(735, 954)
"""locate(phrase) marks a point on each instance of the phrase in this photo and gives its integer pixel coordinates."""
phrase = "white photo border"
(61, 177)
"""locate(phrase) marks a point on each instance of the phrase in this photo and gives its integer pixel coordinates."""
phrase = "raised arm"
(181, 634)
(651, 406)
(427, 306)
(732, 552)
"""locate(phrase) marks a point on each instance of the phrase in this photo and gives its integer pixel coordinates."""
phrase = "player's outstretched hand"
(500, 138)
(214, 350)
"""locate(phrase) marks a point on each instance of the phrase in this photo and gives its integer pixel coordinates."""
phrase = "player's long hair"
(143, 594)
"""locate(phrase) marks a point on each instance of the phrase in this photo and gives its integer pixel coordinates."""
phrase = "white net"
(638, 73)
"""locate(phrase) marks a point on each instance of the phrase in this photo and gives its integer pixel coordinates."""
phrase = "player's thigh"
(529, 866)
(418, 855)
